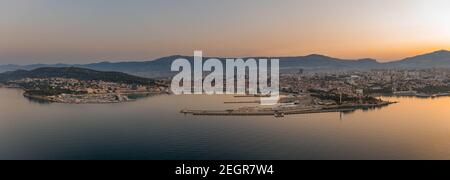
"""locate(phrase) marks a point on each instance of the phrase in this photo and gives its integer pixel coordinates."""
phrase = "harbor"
(281, 111)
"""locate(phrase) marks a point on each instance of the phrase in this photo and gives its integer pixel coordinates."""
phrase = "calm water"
(152, 128)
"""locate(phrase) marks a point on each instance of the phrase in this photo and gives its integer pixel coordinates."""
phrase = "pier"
(276, 113)
(281, 112)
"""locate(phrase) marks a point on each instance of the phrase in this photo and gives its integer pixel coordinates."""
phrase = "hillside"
(161, 67)
(75, 73)
(438, 59)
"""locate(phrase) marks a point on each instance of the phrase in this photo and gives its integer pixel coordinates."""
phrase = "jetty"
(276, 113)
(281, 112)
(243, 102)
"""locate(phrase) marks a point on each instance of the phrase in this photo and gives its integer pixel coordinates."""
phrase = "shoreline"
(97, 101)
(235, 112)
(418, 95)
(49, 100)
(283, 112)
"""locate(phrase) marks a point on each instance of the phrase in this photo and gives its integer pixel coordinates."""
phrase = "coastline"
(417, 95)
(89, 100)
(285, 111)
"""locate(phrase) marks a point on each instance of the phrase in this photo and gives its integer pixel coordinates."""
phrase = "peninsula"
(80, 85)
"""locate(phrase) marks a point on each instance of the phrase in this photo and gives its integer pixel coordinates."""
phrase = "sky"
(85, 31)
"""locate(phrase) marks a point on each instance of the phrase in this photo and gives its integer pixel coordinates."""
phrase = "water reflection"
(37, 101)
(153, 128)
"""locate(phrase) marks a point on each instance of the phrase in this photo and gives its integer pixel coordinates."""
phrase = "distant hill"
(438, 59)
(155, 68)
(75, 73)
(161, 67)
(324, 62)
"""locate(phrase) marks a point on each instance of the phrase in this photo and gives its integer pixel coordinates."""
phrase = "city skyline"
(49, 31)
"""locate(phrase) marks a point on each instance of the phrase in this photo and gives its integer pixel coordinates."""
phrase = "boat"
(279, 114)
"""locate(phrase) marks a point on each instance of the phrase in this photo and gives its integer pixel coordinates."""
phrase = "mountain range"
(161, 67)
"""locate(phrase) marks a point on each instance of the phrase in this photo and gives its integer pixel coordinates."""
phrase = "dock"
(283, 111)
(276, 113)
(243, 102)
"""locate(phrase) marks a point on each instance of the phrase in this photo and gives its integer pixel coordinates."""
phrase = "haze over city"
(84, 31)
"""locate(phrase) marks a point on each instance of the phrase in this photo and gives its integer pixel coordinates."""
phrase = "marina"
(282, 111)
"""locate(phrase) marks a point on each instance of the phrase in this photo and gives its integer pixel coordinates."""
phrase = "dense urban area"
(63, 90)
(421, 83)
(302, 91)
(340, 91)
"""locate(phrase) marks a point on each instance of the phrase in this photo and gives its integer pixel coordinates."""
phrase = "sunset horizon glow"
(88, 31)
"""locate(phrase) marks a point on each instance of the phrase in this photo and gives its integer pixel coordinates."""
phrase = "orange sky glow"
(84, 31)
